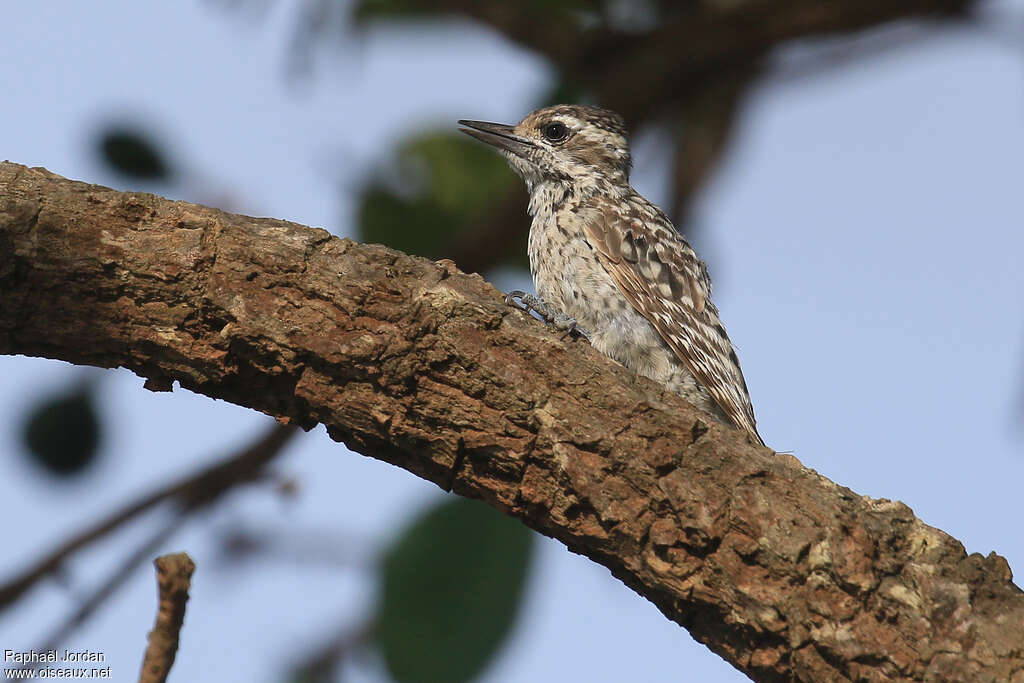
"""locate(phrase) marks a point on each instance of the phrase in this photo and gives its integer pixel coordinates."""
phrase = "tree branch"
(636, 73)
(780, 571)
(173, 579)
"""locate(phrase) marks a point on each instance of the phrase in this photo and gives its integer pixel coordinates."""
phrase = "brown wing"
(661, 276)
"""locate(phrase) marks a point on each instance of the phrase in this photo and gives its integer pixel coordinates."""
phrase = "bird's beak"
(498, 134)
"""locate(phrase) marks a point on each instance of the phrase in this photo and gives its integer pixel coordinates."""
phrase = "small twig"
(193, 491)
(173, 578)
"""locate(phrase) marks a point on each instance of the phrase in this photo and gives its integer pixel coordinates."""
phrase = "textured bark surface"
(173, 580)
(782, 572)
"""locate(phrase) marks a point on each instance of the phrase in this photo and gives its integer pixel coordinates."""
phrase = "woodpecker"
(609, 264)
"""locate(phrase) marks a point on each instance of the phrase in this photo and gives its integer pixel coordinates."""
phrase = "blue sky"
(864, 231)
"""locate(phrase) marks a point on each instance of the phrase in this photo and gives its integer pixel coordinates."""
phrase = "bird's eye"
(555, 132)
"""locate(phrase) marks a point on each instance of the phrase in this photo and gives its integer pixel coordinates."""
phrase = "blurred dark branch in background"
(701, 131)
(192, 493)
(97, 596)
(638, 73)
(294, 545)
(715, 41)
(782, 572)
(323, 663)
(683, 67)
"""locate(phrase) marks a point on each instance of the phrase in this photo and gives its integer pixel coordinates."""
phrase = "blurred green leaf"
(62, 432)
(452, 586)
(133, 153)
(438, 186)
(459, 173)
(415, 226)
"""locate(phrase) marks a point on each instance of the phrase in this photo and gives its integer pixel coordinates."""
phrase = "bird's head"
(566, 143)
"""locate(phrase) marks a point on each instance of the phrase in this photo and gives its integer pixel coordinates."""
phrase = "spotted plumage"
(613, 263)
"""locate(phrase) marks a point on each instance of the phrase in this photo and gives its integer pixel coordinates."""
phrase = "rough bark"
(173, 580)
(777, 569)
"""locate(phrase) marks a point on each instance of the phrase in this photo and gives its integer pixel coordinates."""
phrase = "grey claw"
(575, 329)
(555, 318)
(561, 321)
(510, 300)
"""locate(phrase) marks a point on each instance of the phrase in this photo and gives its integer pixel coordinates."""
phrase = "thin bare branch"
(191, 492)
(115, 579)
(173, 578)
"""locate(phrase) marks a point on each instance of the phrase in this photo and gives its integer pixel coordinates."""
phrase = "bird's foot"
(549, 314)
